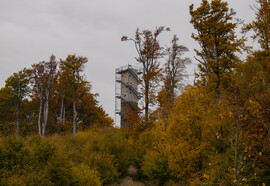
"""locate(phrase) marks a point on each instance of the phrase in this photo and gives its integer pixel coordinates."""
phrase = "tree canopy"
(214, 132)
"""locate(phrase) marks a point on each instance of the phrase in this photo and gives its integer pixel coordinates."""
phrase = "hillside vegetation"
(214, 132)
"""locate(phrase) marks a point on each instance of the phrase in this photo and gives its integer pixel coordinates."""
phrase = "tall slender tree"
(50, 73)
(19, 85)
(174, 72)
(37, 81)
(174, 68)
(149, 52)
(43, 77)
(71, 69)
(60, 88)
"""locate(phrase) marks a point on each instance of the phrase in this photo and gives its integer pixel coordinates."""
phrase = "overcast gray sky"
(32, 30)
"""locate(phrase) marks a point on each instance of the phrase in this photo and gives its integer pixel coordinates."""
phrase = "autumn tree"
(176, 153)
(89, 112)
(174, 68)
(37, 81)
(185, 146)
(43, 77)
(256, 72)
(19, 86)
(72, 68)
(50, 73)
(149, 53)
(132, 120)
(174, 72)
(255, 83)
(173, 75)
(7, 111)
(234, 116)
(261, 25)
(60, 97)
(218, 42)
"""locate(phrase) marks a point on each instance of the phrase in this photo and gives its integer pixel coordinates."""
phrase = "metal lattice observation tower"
(126, 92)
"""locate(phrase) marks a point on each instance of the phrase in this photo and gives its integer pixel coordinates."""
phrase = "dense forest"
(214, 132)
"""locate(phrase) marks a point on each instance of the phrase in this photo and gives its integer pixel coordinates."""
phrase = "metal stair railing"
(131, 88)
(130, 69)
(131, 105)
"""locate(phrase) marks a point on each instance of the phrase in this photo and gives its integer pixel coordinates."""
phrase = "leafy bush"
(95, 157)
(155, 167)
(106, 165)
(59, 171)
(86, 176)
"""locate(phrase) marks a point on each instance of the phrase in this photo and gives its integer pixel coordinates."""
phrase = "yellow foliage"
(183, 144)
(254, 107)
(86, 176)
(221, 116)
(206, 176)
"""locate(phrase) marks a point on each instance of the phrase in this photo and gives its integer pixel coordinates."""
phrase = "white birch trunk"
(39, 115)
(62, 112)
(45, 113)
(64, 115)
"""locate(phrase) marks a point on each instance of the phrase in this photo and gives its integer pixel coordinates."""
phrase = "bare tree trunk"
(61, 118)
(64, 115)
(61, 110)
(45, 114)
(74, 115)
(172, 90)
